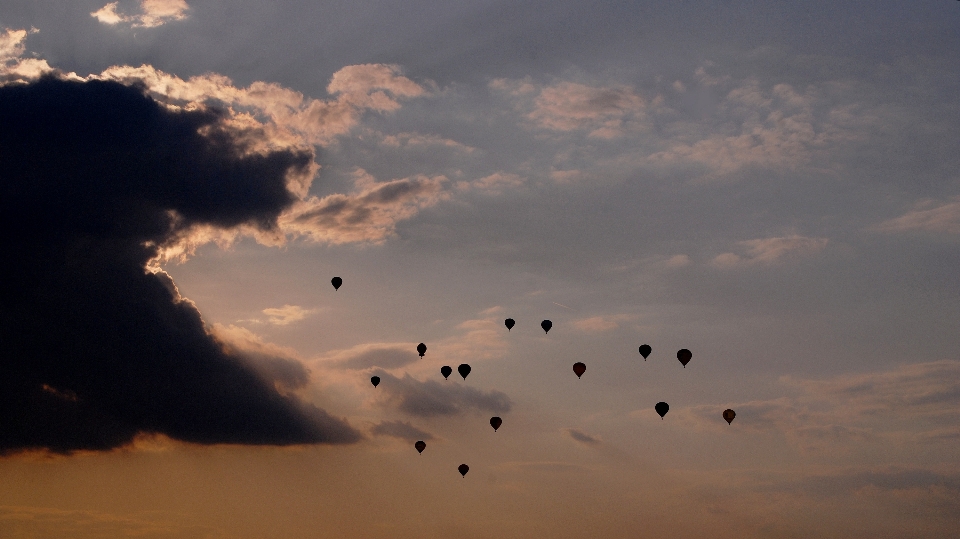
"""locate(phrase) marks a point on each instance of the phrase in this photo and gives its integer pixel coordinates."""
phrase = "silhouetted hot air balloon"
(464, 370)
(662, 408)
(509, 323)
(463, 469)
(445, 371)
(546, 325)
(579, 368)
(495, 422)
(421, 445)
(336, 282)
(729, 414)
(422, 348)
(645, 351)
(684, 356)
(375, 380)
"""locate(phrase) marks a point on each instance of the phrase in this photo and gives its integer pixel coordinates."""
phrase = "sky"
(771, 186)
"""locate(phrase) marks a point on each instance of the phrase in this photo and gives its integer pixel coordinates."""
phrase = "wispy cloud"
(153, 13)
(400, 429)
(928, 215)
(433, 398)
(286, 315)
(767, 251)
(582, 437)
(599, 324)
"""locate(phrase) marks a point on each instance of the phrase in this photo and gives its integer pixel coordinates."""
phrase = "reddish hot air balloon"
(463, 468)
(375, 380)
(509, 322)
(422, 348)
(684, 356)
(446, 371)
(546, 325)
(729, 414)
(336, 282)
(421, 445)
(464, 370)
(662, 408)
(495, 422)
(579, 368)
(645, 351)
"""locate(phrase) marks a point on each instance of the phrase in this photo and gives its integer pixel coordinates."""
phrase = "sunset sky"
(773, 186)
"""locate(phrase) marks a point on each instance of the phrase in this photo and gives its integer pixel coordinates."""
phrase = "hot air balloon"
(662, 408)
(579, 368)
(509, 322)
(546, 325)
(422, 348)
(684, 356)
(336, 282)
(421, 445)
(645, 351)
(495, 422)
(729, 414)
(375, 380)
(445, 371)
(464, 370)
(463, 469)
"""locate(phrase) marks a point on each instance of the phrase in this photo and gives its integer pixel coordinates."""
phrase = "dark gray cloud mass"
(94, 348)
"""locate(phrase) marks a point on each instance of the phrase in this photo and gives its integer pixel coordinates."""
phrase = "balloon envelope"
(463, 469)
(579, 368)
(421, 445)
(422, 348)
(662, 408)
(645, 351)
(495, 422)
(684, 356)
(729, 414)
(375, 380)
(509, 322)
(464, 370)
(336, 282)
(445, 371)
(546, 325)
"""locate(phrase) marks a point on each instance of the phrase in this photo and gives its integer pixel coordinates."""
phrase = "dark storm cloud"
(400, 429)
(94, 175)
(432, 398)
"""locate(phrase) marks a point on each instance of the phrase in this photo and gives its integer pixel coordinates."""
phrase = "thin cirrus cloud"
(400, 429)
(768, 251)
(928, 216)
(368, 355)
(433, 398)
(105, 175)
(582, 437)
(493, 185)
(153, 13)
(600, 324)
(286, 315)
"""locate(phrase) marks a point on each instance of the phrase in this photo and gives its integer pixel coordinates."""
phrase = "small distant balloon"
(336, 282)
(645, 351)
(729, 414)
(495, 422)
(684, 356)
(375, 380)
(421, 445)
(662, 408)
(422, 348)
(579, 368)
(509, 322)
(445, 371)
(546, 325)
(464, 370)
(463, 468)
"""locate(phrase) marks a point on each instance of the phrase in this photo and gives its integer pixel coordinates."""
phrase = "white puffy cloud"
(153, 13)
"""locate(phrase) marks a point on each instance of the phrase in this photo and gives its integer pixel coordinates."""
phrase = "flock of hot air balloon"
(683, 355)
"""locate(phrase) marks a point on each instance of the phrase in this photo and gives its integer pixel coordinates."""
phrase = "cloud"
(286, 315)
(582, 437)
(767, 251)
(369, 214)
(104, 175)
(400, 429)
(432, 398)
(12, 65)
(153, 13)
(928, 216)
(598, 324)
(365, 356)
(494, 184)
